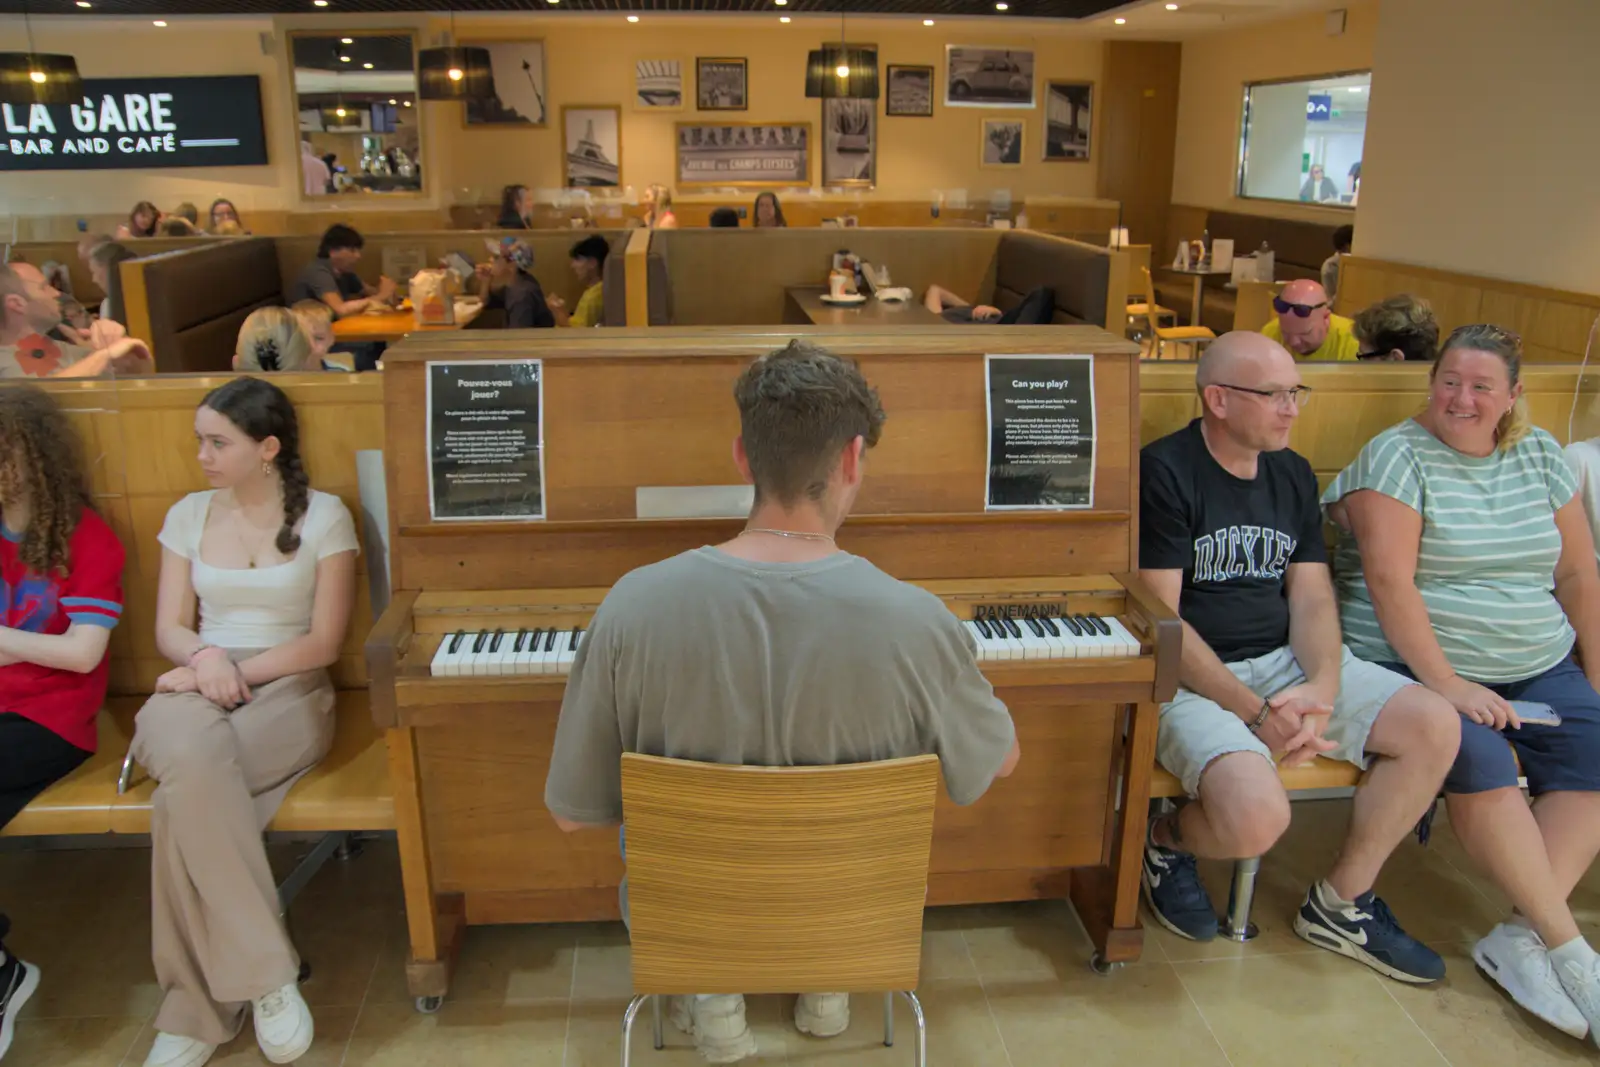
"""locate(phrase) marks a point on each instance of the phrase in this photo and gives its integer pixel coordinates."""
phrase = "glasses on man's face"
(1283, 307)
(1295, 398)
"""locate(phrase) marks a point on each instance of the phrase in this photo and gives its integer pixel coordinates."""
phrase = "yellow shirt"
(1340, 344)
(591, 309)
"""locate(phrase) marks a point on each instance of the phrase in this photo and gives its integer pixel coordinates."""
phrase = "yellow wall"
(1216, 68)
(1485, 154)
(589, 60)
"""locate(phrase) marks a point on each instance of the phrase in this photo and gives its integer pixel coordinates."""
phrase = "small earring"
(266, 467)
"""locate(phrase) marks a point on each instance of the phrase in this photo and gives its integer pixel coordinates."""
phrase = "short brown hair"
(1405, 322)
(798, 407)
(312, 310)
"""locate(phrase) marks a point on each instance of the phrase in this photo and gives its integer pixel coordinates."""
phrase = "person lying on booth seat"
(1468, 564)
(1306, 325)
(60, 597)
(1035, 309)
(30, 308)
(257, 583)
(1230, 536)
(751, 675)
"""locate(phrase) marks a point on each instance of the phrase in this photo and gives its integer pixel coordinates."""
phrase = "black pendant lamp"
(33, 77)
(454, 72)
(842, 70)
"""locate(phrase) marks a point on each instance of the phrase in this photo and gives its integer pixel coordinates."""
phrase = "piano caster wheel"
(1102, 966)
(305, 972)
(429, 1005)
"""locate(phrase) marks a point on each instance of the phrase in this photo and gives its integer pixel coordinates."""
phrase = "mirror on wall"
(356, 96)
(1302, 140)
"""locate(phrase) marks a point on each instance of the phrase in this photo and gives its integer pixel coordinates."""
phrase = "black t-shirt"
(1233, 539)
(524, 303)
(319, 277)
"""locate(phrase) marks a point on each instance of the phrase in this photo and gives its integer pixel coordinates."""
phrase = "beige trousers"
(216, 934)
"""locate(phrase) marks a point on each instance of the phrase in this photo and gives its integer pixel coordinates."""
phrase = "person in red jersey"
(60, 597)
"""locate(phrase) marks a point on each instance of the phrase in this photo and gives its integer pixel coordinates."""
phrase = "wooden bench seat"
(1320, 774)
(348, 790)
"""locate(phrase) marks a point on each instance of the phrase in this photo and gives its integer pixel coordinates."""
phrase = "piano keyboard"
(506, 652)
(1061, 637)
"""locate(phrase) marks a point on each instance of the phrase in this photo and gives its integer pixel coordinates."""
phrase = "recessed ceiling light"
(408, 103)
(344, 59)
(1120, 22)
(319, 3)
(1353, 89)
(784, 19)
(347, 40)
(780, 3)
(393, 101)
(633, 18)
(1172, 7)
(1001, 7)
(159, 22)
(84, 3)
(366, 66)
(927, 22)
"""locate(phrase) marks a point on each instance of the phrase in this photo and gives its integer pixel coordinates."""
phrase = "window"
(1302, 140)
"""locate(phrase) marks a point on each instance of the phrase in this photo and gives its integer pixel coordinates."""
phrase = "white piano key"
(1059, 649)
(522, 659)
(501, 659)
(458, 662)
(567, 651)
(1128, 645)
(1013, 643)
(1034, 646)
(986, 650)
(1103, 646)
(440, 655)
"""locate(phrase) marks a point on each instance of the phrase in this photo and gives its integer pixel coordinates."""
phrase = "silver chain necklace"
(790, 533)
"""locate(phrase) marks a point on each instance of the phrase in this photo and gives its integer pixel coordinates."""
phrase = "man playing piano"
(1231, 538)
(776, 648)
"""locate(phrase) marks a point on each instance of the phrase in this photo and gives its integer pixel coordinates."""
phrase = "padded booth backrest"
(616, 285)
(84, 290)
(189, 304)
(720, 277)
(1079, 274)
(1298, 247)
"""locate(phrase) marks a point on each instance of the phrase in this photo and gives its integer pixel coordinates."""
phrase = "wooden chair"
(1142, 309)
(1197, 336)
(777, 880)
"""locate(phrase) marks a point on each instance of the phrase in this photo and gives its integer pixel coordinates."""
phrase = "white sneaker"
(1583, 986)
(822, 1014)
(1516, 959)
(175, 1050)
(283, 1024)
(718, 1026)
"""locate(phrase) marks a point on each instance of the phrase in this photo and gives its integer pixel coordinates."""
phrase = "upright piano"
(468, 663)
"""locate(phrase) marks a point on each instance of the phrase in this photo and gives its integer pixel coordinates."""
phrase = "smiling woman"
(354, 95)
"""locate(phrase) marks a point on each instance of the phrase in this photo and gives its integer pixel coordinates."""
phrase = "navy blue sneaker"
(1367, 931)
(1172, 888)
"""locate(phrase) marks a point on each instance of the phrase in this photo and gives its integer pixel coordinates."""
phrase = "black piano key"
(1100, 624)
(477, 646)
(533, 644)
(1049, 626)
(1033, 624)
(1077, 631)
(1087, 626)
(1011, 625)
(522, 639)
(573, 645)
(494, 642)
(455, 640)
(550, 641)
(983, 627)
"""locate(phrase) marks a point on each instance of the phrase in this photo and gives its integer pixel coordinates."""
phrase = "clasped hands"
(214, 676)
(1296, 718)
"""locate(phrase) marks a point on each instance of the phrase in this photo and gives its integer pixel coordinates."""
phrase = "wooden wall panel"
(1138, 133)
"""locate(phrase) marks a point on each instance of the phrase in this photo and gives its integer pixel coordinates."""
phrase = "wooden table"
(391, 325)
(1199, 277)
(803, 306)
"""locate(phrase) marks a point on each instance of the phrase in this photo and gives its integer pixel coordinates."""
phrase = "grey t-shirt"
(319, 278)
(716, 659)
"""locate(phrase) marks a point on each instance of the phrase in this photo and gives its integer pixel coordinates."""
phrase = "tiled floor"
(1002, 985)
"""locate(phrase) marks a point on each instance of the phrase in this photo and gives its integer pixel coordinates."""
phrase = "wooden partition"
(65, 250)
(139, 439)
(188, 304)
(1554, 323)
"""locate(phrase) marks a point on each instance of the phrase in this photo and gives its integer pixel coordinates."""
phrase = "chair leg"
(922, 1026)
(655, 1002)
(1237, 926)
(888, 1020)
(627, 1025)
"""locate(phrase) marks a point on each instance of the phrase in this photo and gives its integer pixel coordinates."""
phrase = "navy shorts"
(1555, 759)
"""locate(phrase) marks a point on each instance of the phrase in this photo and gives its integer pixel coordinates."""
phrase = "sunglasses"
(1283, 307)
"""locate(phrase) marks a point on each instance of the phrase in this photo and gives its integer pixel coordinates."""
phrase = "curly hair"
(261, 410)
(41, 461)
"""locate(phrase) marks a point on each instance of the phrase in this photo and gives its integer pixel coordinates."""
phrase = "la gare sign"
(124, 123)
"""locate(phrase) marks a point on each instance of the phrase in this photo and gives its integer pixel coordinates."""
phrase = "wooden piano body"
(625, 409)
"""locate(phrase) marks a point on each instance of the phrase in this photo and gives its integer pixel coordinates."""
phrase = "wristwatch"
(1261, 717)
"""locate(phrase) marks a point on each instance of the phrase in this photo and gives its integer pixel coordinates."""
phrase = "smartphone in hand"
(1532, 711)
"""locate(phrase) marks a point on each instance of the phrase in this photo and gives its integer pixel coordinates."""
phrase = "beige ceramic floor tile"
(1042, 939)
(1476, 1025)
(1137, 1015)
(1280, 890)
(961, 1030)
(373, 873)
(498, 964)
(72, 1042)
(594, 1034)
(343, 943)
(461, 1034)
(77, 874)
(1433, 900)
(1316, 1009)
(102, 965)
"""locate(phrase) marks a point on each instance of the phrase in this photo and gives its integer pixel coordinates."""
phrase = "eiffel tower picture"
(594, 155)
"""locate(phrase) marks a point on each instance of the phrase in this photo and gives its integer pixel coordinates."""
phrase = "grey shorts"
(1195, 732)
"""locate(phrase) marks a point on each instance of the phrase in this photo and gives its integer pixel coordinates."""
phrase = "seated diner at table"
(1306, 325)
(331, 277)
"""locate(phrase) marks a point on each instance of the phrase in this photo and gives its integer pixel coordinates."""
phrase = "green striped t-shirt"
(1486, 563)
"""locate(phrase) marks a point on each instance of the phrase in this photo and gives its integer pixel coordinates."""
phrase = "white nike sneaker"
(717, 1024)
(1516, 959)
(283, 1024)
(175, 1050)
(822, 1014)
(1583, 986)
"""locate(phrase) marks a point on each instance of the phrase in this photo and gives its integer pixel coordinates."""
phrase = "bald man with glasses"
(1230, 536)
(1307, 327)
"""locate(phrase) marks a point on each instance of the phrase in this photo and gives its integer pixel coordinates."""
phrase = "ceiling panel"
(1062, 9)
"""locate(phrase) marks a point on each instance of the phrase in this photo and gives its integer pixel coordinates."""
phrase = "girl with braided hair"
(60, 597)
(257, 581)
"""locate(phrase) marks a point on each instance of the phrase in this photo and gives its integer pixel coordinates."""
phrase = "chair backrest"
(1148, 292)
(1138, 259)
(777, 879)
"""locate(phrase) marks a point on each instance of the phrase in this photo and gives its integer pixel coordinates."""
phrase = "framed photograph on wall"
(910, 91)
(658, 85)
(1068, 113)
(592, 134)
(987, 77)
(1002, 143)
(721, 84)
(519, 96)
(743, 153)
(849, 142)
